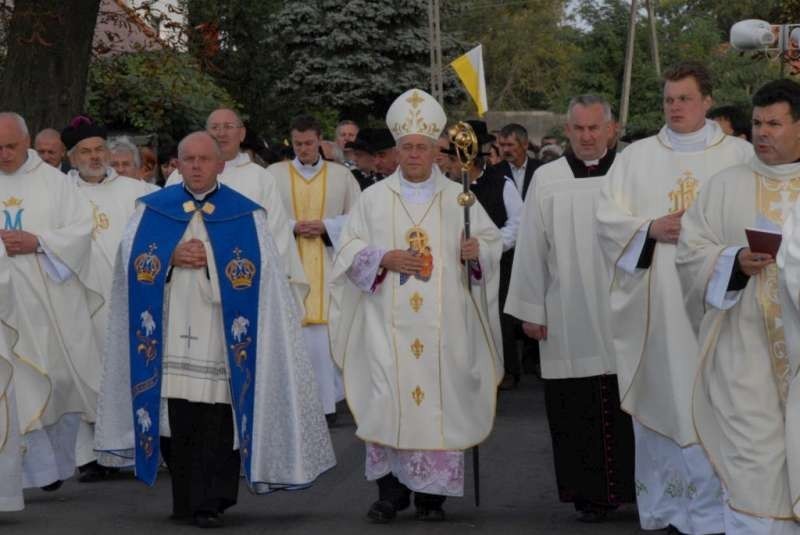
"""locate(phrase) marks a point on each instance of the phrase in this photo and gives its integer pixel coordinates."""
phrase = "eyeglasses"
(227, 127)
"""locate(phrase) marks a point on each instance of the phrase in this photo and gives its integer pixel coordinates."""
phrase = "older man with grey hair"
(125, 156)
(561, 297)
(46, 230)
(112, 198)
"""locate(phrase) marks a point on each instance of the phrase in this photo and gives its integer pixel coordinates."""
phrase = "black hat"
(363, 141)
(382, 139)
(80, 128)
(482, 132)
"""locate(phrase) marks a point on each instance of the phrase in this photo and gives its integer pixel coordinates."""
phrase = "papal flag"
(469, 68)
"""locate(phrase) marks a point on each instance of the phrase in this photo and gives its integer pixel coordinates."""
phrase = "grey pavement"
(518, 494)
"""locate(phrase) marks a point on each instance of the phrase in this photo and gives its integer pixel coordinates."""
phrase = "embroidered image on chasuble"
(416, 317)
(775, 199)
(308, 203)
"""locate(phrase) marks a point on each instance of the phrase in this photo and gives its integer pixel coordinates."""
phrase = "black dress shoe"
(382, 512)
(53, 486)
(331, 419)
(593, 516)
(672, 530)
(428, 514)
(92, 473)
(207, 520)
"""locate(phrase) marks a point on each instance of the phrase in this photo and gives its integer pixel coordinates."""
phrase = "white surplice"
(654, 342)
(740, 391)
(559, 277)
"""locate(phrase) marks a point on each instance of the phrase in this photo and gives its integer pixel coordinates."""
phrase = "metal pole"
(438, 88)
(626, 80)
(651, 14)
(431, 45)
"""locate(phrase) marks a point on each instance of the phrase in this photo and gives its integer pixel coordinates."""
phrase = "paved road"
(519, 494)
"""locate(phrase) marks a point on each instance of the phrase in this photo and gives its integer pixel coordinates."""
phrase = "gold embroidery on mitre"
(417, 348)
(418, 396)
(147, 265)
(189, 207)
(685, 192)
(100, 220)
(12, 201)
(240, 271)
(208, 208)
(416, 302)
(414, 122)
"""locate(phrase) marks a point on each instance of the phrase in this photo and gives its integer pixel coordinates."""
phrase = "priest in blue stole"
(204, 346)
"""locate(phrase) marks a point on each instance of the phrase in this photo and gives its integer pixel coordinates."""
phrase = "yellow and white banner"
(469, 68)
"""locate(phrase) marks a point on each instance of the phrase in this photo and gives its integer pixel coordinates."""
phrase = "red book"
(763, 241)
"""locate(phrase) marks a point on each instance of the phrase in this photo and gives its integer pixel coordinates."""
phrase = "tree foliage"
(162, 92)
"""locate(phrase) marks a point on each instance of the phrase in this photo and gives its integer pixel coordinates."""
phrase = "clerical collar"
(308, 171)
(417, 192)
(693, 141)
(784, 171)
(239, 160)
(200, 197)
(590, 168)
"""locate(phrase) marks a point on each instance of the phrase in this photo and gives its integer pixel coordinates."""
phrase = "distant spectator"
(50, 148)
(346, 131)
(125, 157)
(733, 121)
(148, 170)
(167, 160)
(550, 153)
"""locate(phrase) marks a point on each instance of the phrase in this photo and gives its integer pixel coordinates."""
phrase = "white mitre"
(416, 112)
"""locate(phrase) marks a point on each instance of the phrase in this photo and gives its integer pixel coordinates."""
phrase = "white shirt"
(518, 174)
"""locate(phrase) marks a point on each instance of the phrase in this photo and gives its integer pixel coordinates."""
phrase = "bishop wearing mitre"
(418, 341)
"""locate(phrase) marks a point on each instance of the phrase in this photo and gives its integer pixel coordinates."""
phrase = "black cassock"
(593, 445)
(202, 463)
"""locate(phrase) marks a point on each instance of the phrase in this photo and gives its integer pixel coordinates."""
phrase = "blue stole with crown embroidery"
(228, 218)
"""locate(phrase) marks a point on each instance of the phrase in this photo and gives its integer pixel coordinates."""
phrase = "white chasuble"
(258, 185)
(11, 498)
(113, 202)
(655, 344)
(559, 277)
(419, 353)
(195, 364)
(740, 391)
(56, 361)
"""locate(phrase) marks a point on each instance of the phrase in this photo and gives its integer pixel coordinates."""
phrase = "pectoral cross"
(188, 337)
(784, 205)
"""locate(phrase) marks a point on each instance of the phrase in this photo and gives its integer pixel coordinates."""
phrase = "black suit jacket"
(504, 169)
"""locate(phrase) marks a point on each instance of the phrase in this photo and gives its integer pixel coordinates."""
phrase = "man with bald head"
(45, 227)
(208, 337)
(257, 184)
(50, 148)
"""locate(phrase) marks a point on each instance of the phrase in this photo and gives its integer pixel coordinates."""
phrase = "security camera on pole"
(781, 41)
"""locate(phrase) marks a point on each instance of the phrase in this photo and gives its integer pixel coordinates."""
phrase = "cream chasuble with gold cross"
(741, 390)
(420, 354)
(656, 345)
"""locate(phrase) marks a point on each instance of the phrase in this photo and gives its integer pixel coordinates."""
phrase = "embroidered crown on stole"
(147, 265)
(240, 271)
